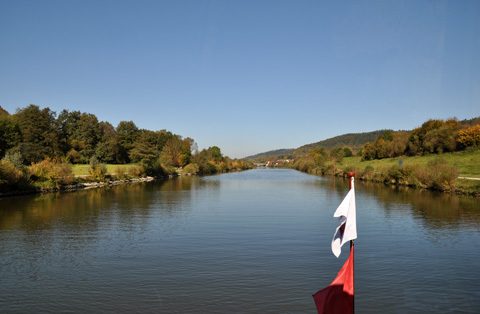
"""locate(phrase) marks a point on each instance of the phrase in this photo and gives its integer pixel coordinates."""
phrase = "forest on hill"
(38, 145)
(277, 152)
(352, 140)
(355, 142)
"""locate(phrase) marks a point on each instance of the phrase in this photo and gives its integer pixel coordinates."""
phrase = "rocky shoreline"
(91, 185)
(80, 186)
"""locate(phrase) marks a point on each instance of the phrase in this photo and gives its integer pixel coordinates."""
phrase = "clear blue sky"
(247, 76)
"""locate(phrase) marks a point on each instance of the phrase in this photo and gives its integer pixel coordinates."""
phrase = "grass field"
(467, 162)
(82, 170)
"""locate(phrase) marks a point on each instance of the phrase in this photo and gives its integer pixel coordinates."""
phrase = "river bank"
(396, 177)
(456, 172)
(77, 186)
(95, 184)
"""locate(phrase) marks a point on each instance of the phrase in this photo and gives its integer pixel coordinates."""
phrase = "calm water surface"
(250, 242)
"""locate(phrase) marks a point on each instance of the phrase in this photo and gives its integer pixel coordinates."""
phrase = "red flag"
(338, 296)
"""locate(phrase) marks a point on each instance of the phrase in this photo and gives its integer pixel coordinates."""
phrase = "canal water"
(256, 241)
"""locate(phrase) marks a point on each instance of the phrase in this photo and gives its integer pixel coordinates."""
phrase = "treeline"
(433, 137)
(442, 137)
(280, 153)
(33, 136)
(321, 160)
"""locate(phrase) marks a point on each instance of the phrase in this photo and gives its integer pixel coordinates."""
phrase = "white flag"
(348, 217)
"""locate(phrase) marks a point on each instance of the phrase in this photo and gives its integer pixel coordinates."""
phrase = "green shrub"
(9, 173)
(136, 171)
(394, 173)
(97, 170)
(367, 173)
(156, 169)
(191, 168)
(317, 171)
(409, 176)
(120, 172)
(437, 175)
(55, 172)
(329, 168)
(440, 175)
(305, 164)
(15, 157)
(369, 169)
(210, 168)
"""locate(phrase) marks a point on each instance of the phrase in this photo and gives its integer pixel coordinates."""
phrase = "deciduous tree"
(144, 148)
(470, 137)
(39, 136)
(86, 136)
(107, 148)
(65, 124)
(127, 133)
(368, 151)
(10, 134)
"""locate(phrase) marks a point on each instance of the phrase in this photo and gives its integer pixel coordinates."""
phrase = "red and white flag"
(347, 222)
(337, 298)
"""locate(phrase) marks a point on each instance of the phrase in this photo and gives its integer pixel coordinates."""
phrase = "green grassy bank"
(83, 170)
(441, 172)
(467, 162)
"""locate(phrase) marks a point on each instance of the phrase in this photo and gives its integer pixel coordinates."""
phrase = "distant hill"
(350, 139)
(277, 152)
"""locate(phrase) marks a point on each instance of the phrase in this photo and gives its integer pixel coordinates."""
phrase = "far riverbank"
(95, 184)
(457, 172)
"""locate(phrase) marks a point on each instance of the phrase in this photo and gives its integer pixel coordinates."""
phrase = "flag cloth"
(338, 296)
(347, 223)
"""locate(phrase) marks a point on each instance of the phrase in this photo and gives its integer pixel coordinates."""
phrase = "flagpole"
(338, 297)
(351, 176)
